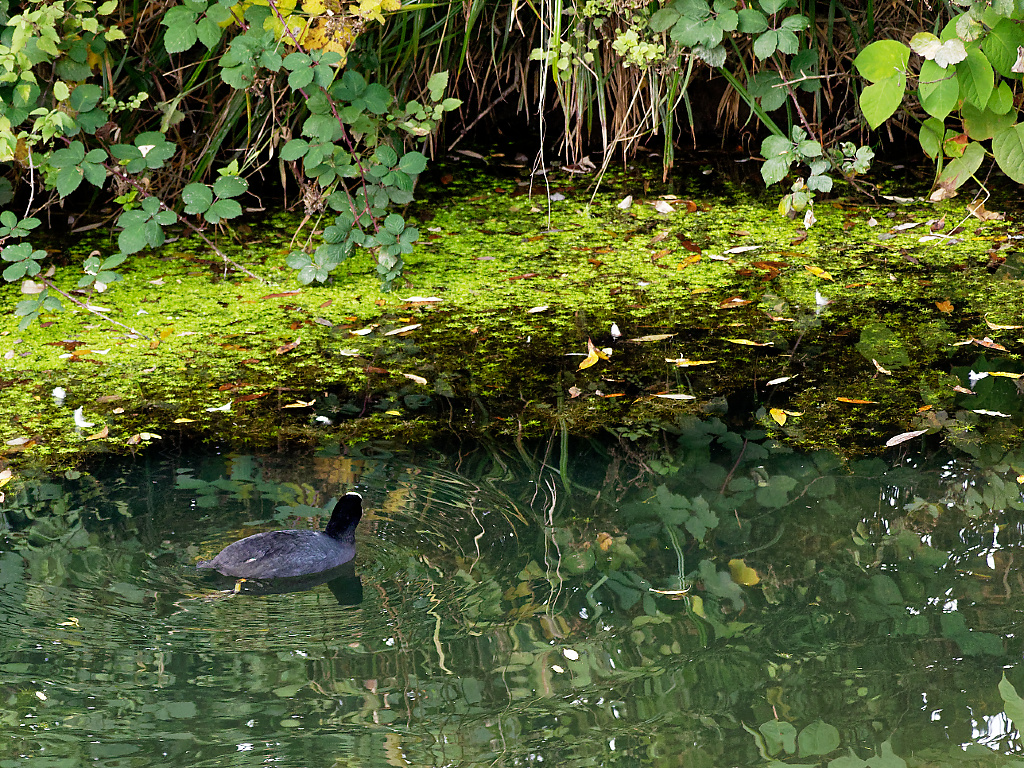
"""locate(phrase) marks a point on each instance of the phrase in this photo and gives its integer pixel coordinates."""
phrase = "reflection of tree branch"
(86, 307)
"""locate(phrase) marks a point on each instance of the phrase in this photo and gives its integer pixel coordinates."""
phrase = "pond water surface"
(706, 599)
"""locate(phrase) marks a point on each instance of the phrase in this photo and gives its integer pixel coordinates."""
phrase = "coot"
(280, 554)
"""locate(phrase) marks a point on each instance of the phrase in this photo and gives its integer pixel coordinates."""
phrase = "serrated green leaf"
(131, 240)
(436, 85)
(223, 209)
(230, 186)
(68, 180)
(181, 36)
(197, 198)
(412, 163)
(752, 22)
(294, 149)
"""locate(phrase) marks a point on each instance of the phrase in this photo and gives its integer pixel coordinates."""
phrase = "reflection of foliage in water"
(511, 613)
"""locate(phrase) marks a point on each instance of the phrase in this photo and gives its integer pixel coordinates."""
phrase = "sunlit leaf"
(403, 329)
(677, 397)
(749, 343)
(184, 421)
(743, 248)
(99, 435)
(779, 380)
(414, 377)
(683, 362)
(743, 573)
(817, 272)
(855, 401)
(778, 415)
(300, 404)
(732, 302)
(535, 310)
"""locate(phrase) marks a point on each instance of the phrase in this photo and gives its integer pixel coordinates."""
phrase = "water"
(709, 599)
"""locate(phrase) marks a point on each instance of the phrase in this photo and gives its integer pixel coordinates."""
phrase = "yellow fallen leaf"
(593, 355)
(184, 421)
(300, 404)
(749, 343)
(743, 573)
(778, 415)
(683, 362)
(817, 272)
(946, 307)
(855, 401)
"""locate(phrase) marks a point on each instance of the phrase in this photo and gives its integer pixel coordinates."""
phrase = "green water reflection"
(707, 600)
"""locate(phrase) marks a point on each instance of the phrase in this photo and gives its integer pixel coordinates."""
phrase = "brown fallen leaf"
(281, 295)
(288, 347)
(854, 401)
(978, 209)
(880, 369)
(994, 327)
(732, 302)
(654, 337)
(944, 306)
(99, 435)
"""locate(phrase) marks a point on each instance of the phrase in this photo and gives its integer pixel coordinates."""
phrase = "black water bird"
(289, 553)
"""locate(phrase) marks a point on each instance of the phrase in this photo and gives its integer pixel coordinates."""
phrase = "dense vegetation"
(176, 115)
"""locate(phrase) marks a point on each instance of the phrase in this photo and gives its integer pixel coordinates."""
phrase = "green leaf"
(223, 209)
(131, 240)
(661, 21)
(938, 89)
(230, 186)
(766, 44)
(377, 98)
(1001, 99)
(818, 738)
(1013, 705)
(932, 135)
(386, 156)
(1000, 46)
(778, 735)
(879, 101)
(294, 149)
(181, 31)
(394, 224)
(300, 78)
(882, 60)
(766, 86)
(197, 198)
(437, 84)
(209, 31)
(960, 169)
(752, 22)
(983, 124)
(1008, 147)
(412, 163)
(68, 180)
(976, 78)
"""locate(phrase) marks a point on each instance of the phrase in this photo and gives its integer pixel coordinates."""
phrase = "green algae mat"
(535, 309)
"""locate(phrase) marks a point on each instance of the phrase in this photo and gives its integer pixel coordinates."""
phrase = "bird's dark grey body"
(282, 554)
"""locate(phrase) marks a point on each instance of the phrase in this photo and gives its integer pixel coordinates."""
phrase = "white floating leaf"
(414, 377)
(626, 202)
(80, 419)
(676, 397)
(663, 207)
(984, 412)
(421, 300)
(535, 310)
(779, 380)
(902, 438)
(225, 407)
(743, 248)
(403, 329)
